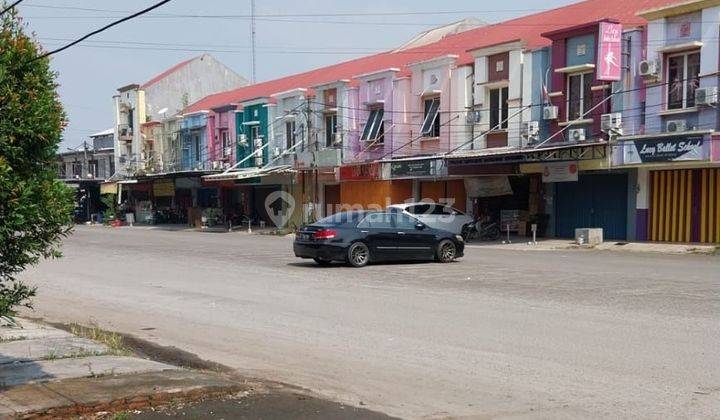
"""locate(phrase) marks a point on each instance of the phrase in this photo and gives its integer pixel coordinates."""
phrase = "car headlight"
(459, 238)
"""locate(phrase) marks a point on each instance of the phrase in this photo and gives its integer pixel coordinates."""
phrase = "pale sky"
(135, 51)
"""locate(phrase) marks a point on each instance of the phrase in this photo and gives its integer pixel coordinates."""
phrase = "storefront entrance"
(447, 192)
(594, 201)
(685, 205)
(332, 199)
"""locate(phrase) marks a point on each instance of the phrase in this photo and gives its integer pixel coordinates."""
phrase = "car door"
(380, 235)
(451, 219)
(413, 243)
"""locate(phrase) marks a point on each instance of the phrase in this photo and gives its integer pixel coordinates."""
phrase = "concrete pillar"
(549, 197)
(116, 134)
(642, 203)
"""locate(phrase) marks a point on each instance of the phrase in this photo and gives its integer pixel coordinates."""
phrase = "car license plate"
(305, 236)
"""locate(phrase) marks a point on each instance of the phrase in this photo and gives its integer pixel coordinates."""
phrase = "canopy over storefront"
(249, 173)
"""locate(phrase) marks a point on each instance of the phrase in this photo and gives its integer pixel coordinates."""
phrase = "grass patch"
(114, 341)
(121, 416)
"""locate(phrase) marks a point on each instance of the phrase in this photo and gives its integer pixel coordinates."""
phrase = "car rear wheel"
(446, 251)
(358, 254)
(322, 262)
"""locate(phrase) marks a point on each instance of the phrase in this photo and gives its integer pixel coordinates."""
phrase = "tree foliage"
(35, 207)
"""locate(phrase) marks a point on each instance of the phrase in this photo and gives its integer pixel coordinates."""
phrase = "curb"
(140, 401)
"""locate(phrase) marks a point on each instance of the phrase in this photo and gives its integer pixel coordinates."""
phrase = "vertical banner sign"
(609, 54)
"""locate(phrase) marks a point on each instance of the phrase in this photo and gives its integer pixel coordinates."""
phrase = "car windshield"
(342, 218)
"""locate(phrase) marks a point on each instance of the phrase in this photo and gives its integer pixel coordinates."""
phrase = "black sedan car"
(360, 237)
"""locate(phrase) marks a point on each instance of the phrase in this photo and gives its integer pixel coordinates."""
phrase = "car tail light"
(325, 234)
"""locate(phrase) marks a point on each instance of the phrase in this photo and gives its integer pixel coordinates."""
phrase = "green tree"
(35, 207)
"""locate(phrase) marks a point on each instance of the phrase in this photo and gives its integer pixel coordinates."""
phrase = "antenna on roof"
(252, 33)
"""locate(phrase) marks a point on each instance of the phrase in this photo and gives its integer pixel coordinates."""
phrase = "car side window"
(403, 221)
(441, 210)
(420, 209)
(377, 221)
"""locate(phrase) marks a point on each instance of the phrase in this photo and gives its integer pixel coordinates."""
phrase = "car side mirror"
(419, 226)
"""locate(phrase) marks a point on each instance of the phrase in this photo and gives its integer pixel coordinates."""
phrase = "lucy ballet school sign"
(665, 149)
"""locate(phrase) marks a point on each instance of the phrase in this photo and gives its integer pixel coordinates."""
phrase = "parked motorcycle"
(484, 230)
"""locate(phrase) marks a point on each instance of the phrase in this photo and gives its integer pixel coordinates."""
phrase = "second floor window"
(77, 169)
(225, 143)
(374, 128)
(330, 129)
(431, 121)
(196, 142)
(499, 109)
(579, 91)
(92, 169)
(289, 135)
(683, 79)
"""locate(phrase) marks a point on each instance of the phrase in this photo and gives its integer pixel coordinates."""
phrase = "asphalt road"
(509, 334)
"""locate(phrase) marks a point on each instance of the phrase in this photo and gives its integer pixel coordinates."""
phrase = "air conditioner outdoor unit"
(473, 117)
(577, 134)
(276, 152)
(338, 139)
(531, 129)
(550, 113)
(649, 69)
(242, 140)
(216, 164)
(611, 123)
(675, 126)
(706, 96)
(227, 151)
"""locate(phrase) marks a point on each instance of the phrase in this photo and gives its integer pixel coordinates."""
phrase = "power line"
(237, 48)
(104, 28)
(7, 9)
(344, 14)
(180, 44)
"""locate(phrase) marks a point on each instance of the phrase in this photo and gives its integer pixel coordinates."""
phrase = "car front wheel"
(358, 254)
(446, 251)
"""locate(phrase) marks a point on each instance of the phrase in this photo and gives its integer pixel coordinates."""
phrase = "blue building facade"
(194, 144)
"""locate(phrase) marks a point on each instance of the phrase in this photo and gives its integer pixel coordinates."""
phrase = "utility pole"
(252, 36)
(312, 149)
(87, 188)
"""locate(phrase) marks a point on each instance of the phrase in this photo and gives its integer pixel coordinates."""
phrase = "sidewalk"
(525, 244)
(48, 371)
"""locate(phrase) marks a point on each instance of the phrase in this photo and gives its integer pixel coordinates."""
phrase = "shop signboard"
(361, 172)
(665, 149)
(164, 188)
(488, 186)
(417, 168)
(609, 56)
(108, 188)
(560, 172)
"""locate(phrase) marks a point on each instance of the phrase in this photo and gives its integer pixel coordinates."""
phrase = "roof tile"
(527, 28)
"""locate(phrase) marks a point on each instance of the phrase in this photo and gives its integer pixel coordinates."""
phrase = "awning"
(249, 173)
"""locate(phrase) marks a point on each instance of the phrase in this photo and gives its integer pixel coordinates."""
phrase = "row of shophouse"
(599, 114)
